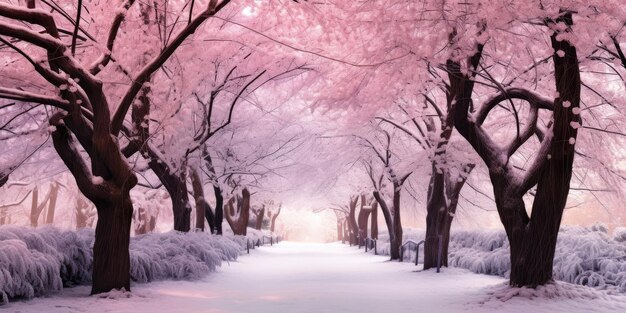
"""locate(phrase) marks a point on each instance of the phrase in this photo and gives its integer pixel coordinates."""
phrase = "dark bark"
(111, 259)
(175, 182)
(4, 177)
(533, 247)
(443, 197)
(532, 238)
(374, 222)
(219, 209)
(238, 212)
(393, 242)
(397, 222)
(362, 220)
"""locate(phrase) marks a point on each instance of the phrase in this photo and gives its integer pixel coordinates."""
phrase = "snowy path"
(295, 277)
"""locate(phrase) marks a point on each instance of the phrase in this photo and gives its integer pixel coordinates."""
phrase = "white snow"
(297, 277)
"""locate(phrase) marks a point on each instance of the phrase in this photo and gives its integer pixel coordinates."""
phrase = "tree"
(238, 212)
(83, 111)
(203, 209)
(532, 238)
(392, 215)
(273, 215)
(259, 215)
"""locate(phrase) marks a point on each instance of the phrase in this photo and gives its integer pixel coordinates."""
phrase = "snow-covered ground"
(299, 277)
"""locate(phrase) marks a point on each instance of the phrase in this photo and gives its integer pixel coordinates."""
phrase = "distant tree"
(237, 212)
(273, 215)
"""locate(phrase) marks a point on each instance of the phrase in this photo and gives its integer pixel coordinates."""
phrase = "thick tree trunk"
(533, 247)
(437, 220)
(111, 259)
(176, 186)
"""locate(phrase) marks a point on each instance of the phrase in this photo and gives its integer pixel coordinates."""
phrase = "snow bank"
(584, 255)
(36, 261)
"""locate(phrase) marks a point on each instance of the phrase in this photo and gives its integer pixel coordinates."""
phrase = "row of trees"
(124, 111)
(518, 117)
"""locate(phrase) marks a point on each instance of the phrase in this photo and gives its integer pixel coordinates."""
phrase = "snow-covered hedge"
(34, 262)
(584, 255)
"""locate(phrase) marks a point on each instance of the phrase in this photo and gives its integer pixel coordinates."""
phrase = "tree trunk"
(198, 194)
(397, 222)
(394, 253)
(245, 211)
(353, 227)
(364, 214)
(144, 222)
(230, 215)
(346, 230)
(238, 218)
(259, 218)
(339, 229)
(437, 218)
(36, 208)
(374, 220)
(533, 247)
(54, 192)
(219, 209)
(273, 217)
(4, 216)
(111, 259)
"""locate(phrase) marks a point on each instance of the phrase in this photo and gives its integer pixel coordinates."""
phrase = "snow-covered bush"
(584, 255)
(177, 255)
(36, 261)
(619, 234)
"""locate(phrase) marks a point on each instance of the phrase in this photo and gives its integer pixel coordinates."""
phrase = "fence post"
(401, 253)
(248, 245)
(417, 254)
(439, 253)
(366, 244)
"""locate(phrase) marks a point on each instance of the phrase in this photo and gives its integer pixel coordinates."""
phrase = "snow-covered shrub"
(36, 261)
(178, 255)
(619, 234)
(584, 255)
